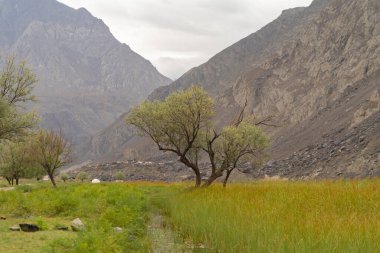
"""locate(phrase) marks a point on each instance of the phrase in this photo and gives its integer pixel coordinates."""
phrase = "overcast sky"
(176, 35)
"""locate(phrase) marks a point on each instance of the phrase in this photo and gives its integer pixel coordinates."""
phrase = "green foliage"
(16, 84)
(17, 81)
(64, 177)
(82, 176)
(41, 223)
(182, 124)
(119, 176)
(173, 123)
(14, 123)
(14, 160)
(25, 188)
(238, 143)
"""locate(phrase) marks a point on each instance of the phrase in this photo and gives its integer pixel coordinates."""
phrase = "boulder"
(77, 225)
(29, 227)
(95, 181)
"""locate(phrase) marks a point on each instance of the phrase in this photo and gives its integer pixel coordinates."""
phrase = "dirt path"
(163, 238)
(7, 188)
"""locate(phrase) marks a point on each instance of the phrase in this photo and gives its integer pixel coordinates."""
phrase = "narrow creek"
(163, 238)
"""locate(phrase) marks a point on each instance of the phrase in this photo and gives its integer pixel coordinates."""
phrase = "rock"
(62, 228)
(95, 181)
(15, 228)
(118, 229)
(29, 227)
(77, 225)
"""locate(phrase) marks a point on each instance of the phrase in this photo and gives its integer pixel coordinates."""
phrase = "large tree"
(50, 151)
(182, 124)
(16, 84)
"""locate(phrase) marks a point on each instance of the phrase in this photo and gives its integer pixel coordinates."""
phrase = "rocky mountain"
(87, 78)
(316, 69)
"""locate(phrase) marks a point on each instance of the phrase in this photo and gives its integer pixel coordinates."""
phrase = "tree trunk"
(194, 167)
(17, 179)
(212, 178)
(9, 180)
(198, 179)
(52, 179)
(227, 177)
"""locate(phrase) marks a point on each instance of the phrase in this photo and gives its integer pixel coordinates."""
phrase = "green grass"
(101, 207)
(341, 216)
(281, 216)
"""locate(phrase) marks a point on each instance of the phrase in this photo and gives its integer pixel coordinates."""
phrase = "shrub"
(119, 176)
(64, 177)
(82, 176)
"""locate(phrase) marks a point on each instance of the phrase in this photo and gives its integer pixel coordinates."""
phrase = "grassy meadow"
(342, 216)
(101, 208)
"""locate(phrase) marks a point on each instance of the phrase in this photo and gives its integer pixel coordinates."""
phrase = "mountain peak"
(87, 78)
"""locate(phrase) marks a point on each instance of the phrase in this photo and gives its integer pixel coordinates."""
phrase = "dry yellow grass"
(339, 216)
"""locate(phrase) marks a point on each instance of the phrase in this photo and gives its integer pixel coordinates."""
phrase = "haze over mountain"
(86, 77)
(316, 69)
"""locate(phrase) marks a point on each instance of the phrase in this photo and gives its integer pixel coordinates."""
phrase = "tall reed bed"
(339, 216)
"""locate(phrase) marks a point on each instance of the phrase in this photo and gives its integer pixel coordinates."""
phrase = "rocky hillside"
(316, 69)
(86, 77)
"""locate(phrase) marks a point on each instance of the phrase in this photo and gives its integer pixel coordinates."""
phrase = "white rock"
(95, 181)
(77, 225)
(118, 229)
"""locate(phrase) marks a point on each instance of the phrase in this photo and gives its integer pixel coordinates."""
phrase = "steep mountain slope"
(86, 77)
(316, 69)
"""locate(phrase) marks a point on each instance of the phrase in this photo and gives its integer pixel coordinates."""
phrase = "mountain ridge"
(87, 78)
(299, 68)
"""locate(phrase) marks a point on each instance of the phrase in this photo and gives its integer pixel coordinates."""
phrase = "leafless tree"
(50, 151)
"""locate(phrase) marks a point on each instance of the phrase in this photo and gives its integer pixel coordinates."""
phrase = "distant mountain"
(86, 77)
(317, 69)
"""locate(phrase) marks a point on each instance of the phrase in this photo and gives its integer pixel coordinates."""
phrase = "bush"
(82, 176)
(119, 176)
(41, 224)
(64, 177)
(25, 188)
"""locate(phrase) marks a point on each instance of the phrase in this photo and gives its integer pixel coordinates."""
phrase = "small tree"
(238, 144)
(50, 151)
(182, 125)
(64, 177)
(13, 161)
(175, 125)
(82, 176)
(119, 176)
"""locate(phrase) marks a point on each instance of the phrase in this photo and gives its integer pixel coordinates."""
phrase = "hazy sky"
(176, 35)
